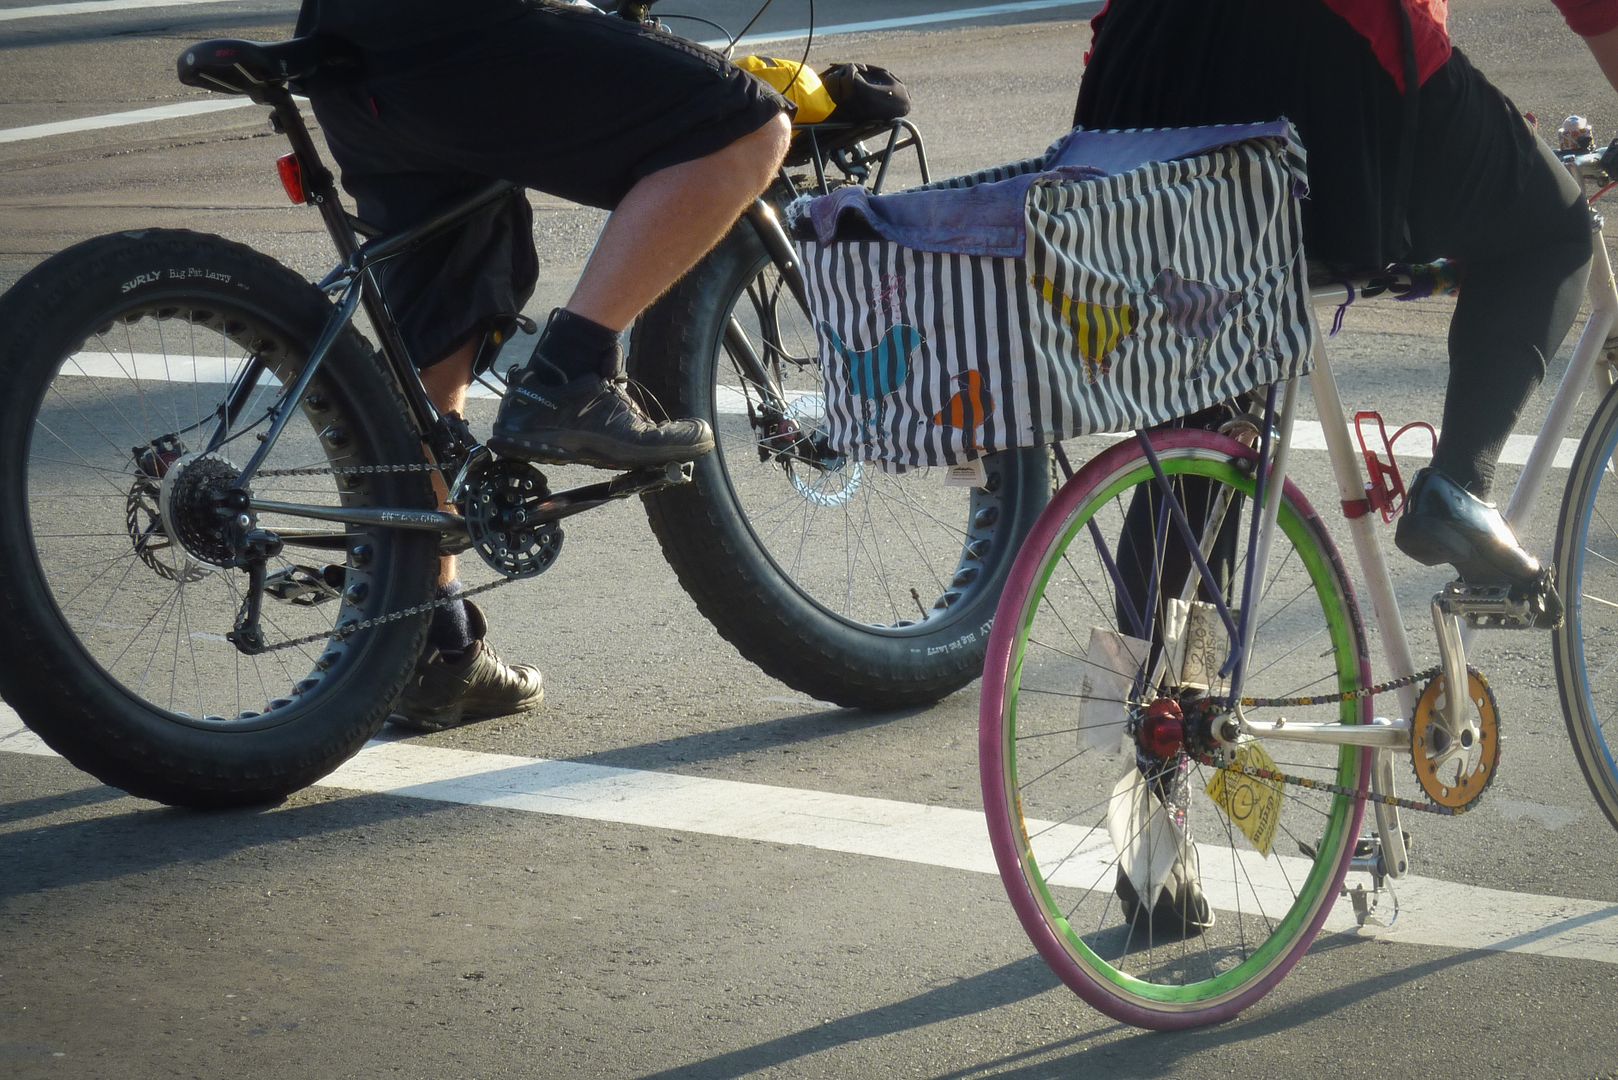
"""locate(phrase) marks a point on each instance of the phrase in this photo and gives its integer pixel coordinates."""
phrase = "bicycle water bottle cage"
(1385, 487)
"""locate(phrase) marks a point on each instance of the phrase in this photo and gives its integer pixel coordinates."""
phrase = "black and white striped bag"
(1118, 281)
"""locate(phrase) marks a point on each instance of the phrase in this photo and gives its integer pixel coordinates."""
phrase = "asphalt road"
(456, 905)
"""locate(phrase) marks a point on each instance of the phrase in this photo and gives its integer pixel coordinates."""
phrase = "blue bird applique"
(875, 373)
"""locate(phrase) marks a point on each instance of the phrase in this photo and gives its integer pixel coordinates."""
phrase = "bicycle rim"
(1088, 819)
(1586, 645)
(104, 508)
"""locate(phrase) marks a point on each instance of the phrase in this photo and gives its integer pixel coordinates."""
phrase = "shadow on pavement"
(1006, 985)
(147, 837)
(772, 734)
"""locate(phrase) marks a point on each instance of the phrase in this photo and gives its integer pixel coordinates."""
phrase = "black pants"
(568, 102)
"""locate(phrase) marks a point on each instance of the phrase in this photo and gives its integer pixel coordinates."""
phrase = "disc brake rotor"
(1454, 770)
(822, 485)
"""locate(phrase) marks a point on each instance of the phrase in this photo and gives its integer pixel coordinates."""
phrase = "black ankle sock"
(571, 346)
(450, 631)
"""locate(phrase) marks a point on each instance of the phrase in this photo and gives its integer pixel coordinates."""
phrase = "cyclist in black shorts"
(565, 100)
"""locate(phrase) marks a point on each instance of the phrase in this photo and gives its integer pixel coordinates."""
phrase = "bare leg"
(671, 219)
(446, 383)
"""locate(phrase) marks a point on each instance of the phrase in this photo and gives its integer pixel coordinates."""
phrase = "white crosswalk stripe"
(939, 836)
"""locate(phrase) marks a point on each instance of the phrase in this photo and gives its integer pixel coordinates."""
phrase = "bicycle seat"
(231, 66)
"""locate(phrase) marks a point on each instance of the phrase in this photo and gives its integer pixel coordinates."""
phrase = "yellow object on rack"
(798, 84)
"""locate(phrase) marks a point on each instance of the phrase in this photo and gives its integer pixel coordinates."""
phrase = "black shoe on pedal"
(589, 420)
(1445, 523)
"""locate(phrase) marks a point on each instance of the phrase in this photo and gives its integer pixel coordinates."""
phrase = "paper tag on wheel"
(1198, 644)
(1112, 666)
(1252, 803)
(1146, 840)
(970, 474)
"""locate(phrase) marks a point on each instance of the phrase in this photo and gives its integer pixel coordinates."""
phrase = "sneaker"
(476, 685)
(1445, 523)
(590, 420)
(1181, 910)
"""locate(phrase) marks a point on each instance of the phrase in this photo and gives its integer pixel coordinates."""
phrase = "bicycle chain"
(1350, 695)
(348, 630)
(1275, 776)
(350, 470)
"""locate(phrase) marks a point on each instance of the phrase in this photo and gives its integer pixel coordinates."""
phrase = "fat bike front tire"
(854, 586)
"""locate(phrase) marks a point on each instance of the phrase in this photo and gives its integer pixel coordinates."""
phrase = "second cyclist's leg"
(1522, 235)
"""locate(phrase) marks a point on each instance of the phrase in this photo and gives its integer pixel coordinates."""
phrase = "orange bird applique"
(967, 408)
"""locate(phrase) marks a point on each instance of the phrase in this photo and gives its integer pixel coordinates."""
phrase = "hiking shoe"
(476, 685)
(1181, 910)
(1445, 523)
(589, 420)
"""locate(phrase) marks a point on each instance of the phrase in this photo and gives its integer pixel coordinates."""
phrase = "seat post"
(318, 181)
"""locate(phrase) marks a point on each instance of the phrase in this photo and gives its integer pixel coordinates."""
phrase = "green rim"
(1322, 875)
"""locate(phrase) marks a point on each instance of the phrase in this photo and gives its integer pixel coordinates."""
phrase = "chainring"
(1454, 774)
(501, 505)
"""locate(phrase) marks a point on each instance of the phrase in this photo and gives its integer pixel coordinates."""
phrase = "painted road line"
(914, 833)
(123, 119)
(908, 22)
(194, 108)
(730, 400)
(95, 7)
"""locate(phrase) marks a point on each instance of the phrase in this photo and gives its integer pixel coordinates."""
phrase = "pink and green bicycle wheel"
(1164, 890)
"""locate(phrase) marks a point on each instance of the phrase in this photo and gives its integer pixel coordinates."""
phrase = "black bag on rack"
(865, 94)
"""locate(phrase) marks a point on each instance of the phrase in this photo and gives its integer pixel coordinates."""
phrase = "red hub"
(1162, 730)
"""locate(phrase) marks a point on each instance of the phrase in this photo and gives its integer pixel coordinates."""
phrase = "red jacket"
(1378, 22)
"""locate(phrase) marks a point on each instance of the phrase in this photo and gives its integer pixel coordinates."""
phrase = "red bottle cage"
(1385, 488)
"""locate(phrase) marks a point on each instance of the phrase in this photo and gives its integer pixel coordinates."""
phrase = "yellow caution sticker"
(1254, 804)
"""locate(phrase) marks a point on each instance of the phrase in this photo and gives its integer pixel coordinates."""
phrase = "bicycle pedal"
(657, 477)
(304, 585)
(1504, 607)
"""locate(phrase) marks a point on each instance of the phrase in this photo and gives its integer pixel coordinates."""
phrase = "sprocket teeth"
(1458, 792)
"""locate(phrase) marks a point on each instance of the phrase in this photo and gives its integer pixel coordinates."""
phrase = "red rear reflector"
(292, 178)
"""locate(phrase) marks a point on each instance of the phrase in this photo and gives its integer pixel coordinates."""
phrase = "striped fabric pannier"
(1118, 281)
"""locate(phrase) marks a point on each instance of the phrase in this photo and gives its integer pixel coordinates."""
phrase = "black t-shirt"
(389, 24)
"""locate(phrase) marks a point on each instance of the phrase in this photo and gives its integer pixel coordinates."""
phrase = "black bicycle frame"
(355, 285)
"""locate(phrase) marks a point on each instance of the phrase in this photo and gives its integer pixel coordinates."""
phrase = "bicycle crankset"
(502, 507)
(1455, 768)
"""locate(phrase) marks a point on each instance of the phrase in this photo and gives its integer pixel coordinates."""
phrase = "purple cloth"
(987, 219)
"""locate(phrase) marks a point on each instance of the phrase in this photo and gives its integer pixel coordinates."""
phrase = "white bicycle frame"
(1389, 736)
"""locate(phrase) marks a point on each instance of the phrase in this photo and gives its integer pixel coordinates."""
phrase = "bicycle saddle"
(230, 66)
